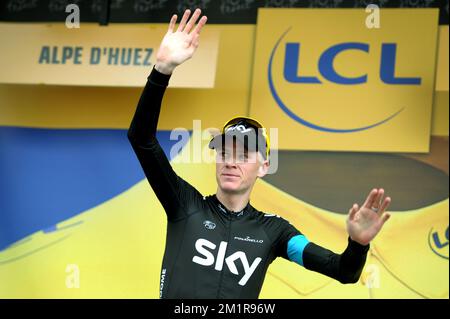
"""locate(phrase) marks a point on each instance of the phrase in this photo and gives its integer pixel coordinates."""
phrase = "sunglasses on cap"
(249, 122)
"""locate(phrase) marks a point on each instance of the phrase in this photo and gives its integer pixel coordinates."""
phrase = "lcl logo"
(326, 68)
(438, 241)
(328, 73)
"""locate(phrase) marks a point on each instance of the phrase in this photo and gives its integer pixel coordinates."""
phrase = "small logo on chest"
(209, 224)
(251, 240)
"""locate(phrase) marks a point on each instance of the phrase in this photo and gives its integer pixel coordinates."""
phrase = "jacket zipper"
(221, 273)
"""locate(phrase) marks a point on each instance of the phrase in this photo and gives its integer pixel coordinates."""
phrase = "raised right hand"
(180, 45)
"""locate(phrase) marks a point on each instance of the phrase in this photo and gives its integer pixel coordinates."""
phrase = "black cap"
(243, 131)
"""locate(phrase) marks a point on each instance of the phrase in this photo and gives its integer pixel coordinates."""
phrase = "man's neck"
(233, 202)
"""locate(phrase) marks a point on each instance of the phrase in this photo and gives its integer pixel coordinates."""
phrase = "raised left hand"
(364, 223)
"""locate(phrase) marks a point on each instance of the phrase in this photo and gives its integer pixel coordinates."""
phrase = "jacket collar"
(229, 213)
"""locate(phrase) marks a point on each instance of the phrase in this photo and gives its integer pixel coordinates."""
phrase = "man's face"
(237, 169)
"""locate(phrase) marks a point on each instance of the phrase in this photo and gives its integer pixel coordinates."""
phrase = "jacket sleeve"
(345, 267)
(172, 191)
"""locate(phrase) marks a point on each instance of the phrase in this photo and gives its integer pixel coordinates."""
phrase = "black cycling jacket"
(210, 251)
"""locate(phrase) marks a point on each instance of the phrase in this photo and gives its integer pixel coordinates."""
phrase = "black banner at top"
(159, 11)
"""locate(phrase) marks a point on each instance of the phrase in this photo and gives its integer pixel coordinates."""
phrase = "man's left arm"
(345, 268)
(363, 224)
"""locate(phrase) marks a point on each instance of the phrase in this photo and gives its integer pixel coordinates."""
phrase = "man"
(220, 246)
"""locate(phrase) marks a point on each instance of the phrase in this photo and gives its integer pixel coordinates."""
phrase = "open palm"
(364, 223)
(180, 45)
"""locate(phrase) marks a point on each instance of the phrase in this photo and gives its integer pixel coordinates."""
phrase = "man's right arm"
(172, 191)
(176, 47)
(142, 130)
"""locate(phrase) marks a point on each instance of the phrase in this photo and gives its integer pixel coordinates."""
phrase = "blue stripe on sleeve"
(295, 248)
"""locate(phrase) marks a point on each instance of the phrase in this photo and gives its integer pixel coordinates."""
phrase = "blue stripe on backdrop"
(50, 175)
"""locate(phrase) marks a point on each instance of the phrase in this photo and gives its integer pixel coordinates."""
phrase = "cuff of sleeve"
(159, 78)
(357, 247)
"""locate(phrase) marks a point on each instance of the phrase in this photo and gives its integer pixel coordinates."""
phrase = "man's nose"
(230, 161)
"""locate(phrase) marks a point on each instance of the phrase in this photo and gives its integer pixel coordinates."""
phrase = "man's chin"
(230, 188)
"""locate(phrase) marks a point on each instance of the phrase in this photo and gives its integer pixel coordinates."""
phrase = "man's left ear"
(263, 169)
